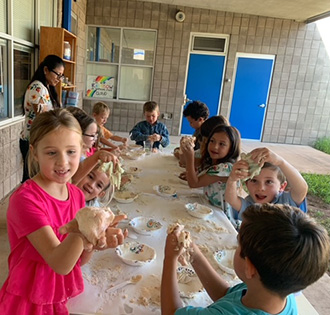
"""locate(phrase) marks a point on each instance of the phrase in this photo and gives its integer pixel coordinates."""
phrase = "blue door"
(204, 83)
(250, 95)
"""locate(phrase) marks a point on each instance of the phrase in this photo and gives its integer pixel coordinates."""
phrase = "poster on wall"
(100, 86)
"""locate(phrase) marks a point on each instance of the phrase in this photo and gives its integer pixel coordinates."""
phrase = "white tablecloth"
(106, 269)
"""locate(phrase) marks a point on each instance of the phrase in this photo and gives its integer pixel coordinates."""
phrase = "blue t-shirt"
(282, 198)
(143, 130)
(231, 304)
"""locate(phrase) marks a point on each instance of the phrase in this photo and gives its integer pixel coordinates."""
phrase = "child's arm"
(215, 286)
(89, 163)
(119, 139)
(169, 293)
(239, 171)
(139, 132)
(108, 143)
(61, 257)
(162, 136)
(297, 183)
(195, 181)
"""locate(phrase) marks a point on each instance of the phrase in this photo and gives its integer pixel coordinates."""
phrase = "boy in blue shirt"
(280, 251)
(150, 129)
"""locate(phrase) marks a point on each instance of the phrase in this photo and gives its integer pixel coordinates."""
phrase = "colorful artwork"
(100, 86)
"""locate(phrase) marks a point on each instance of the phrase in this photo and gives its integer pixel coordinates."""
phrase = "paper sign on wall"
(139, 54)
(100, 86)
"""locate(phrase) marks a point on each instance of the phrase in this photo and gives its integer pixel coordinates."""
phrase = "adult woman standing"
(40, 96)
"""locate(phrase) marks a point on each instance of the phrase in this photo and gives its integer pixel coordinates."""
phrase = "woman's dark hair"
(234, 150)
(51, 62)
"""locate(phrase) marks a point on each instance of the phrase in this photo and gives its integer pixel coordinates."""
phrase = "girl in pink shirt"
(44, 265)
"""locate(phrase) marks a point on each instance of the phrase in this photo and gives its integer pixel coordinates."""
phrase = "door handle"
(262, 105)
(185, 100)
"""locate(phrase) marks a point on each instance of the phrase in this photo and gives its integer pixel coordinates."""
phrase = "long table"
(106, 269)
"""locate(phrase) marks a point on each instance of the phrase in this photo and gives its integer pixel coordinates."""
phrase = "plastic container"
(67, 51)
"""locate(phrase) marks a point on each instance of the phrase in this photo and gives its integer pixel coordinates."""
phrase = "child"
(96, 185)
(44, 266)
(269, 185)
(271, 265)
(101, 113)
(196, 113)
(222, 149)
(151, 129)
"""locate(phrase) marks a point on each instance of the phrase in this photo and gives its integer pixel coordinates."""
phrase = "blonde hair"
(100, 107)
(44, 124)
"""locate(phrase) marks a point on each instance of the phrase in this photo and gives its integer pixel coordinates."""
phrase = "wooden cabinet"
(52, 41)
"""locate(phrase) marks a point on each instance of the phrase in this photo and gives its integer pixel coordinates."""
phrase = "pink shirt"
(31, 208)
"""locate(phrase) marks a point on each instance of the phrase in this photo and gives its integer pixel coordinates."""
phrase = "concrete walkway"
(304, 158)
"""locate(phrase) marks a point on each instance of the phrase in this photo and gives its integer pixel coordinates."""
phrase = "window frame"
(8, 63)
(119, 64)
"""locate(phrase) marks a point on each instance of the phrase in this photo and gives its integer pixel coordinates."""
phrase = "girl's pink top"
(91, 151)
(30, 277)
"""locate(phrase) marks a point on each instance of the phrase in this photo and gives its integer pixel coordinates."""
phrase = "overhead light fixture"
(180, 16)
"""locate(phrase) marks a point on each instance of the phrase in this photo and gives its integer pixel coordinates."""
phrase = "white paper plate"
(165, 190)
(225, 260)
(198, 211)
(135, 155)
(125, 196)
(135, 253)
(144, 225)
(188, 282)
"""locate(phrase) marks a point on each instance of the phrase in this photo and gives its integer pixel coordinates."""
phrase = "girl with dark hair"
(221, 150)
(40, 96)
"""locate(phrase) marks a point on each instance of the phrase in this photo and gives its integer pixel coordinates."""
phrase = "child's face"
(101, 118)
(90, 135)
(151, 117)
(219, 146)
(93, 184)
(196, 124)
(58, 155)
(264, 187)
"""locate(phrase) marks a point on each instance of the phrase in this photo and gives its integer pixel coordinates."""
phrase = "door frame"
(201, 52)
(257, 56)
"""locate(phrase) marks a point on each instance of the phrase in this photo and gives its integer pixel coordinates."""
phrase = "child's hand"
(240, 171)
(262, 155)
(172, 248)
(155, 137)
(124, 141)
(106, 156)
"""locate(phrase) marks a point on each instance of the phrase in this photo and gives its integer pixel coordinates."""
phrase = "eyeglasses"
(94, 137)
(59, 76)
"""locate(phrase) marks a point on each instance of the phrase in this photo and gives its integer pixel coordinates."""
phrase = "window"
(120, 63)
(19, 50)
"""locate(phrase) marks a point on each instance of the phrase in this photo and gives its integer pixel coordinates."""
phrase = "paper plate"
(225, 260)
(125, 196)
(135, 155)
(198, 211)
(165, 191)
(188, 282)
(135, 253)
(144, 225)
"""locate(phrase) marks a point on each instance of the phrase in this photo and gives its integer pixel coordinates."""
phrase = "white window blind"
(23, 15)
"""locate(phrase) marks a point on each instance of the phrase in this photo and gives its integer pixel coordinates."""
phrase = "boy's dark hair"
(288, 248)
(235, 146)
(280, 176)
(150, 106)
(196, 110)
(50, 62)
(209, 124)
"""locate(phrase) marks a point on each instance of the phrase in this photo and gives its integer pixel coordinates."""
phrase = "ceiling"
(298, 10)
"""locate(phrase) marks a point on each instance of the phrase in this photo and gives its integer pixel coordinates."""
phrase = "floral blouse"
(36, 94)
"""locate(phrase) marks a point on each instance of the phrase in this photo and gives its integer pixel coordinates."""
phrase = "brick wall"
(299, 103)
